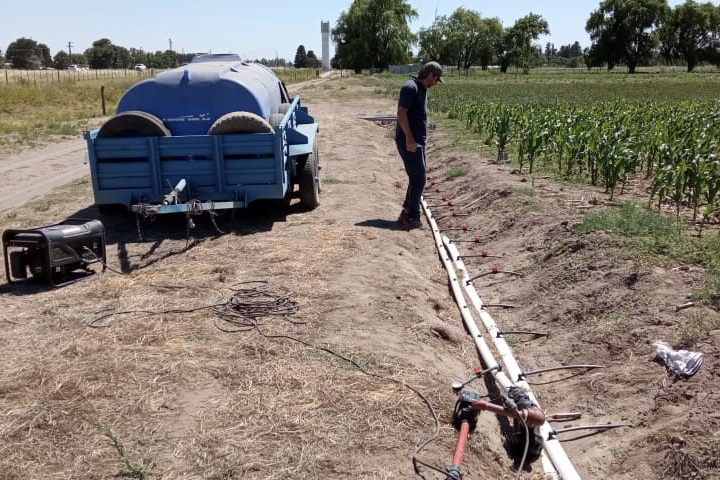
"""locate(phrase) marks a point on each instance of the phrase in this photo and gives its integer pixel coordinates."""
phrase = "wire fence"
(25, 77)
(28, 77)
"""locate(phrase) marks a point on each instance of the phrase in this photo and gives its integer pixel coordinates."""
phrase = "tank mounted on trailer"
(217, 133)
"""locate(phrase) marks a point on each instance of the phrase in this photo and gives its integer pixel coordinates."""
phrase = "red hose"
(461, 443)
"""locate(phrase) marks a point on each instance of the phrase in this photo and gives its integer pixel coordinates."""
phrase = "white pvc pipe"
(470, 324)
(553, 447)
(559, 462)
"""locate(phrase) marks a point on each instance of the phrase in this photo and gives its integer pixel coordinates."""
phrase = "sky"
(268, 29)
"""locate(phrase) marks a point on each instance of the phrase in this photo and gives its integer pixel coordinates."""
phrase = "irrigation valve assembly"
(524, 444)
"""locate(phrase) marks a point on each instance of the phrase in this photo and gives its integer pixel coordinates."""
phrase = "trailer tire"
(240, 122)
(276, 119)
(133, 123)
(309, 181)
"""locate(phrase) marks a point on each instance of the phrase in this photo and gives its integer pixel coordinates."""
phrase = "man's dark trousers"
(415, 168)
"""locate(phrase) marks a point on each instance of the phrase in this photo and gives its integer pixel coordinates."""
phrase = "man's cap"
(431, 67)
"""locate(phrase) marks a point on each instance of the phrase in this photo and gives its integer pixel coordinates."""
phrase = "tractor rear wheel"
(240, 122)
(309, 180)
(133, 123)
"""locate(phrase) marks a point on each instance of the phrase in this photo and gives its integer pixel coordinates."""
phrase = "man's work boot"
(413, 224)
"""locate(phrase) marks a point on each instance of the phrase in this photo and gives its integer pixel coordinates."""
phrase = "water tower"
(325, 30)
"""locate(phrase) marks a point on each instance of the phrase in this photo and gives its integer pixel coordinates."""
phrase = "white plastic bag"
(680, 363)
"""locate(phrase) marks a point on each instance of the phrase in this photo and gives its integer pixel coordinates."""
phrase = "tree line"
(28, 54)
(305, 59)
(374, 34)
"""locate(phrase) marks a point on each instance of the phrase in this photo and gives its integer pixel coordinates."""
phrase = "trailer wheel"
(309, 181)
(240, 122)
(133, 123)
(276, 119)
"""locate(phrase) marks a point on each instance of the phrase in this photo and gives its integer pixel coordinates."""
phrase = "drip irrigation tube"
(480, 344)
(559, 462)
(558, 457)
(600, 427)
(524, 375)
(483, 350)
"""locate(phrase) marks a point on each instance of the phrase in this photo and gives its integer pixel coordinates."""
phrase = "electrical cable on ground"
(103, 262)
(527, 448)
(243, 310)
(416, 460)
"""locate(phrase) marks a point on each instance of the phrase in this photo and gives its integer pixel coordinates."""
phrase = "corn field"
(674, 145)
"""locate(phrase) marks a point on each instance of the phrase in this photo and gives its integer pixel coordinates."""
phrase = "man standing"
(411, 137)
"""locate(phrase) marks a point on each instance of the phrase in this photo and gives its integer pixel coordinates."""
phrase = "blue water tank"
(190, 98)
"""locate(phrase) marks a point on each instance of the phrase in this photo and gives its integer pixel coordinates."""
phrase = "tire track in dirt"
(33, 173)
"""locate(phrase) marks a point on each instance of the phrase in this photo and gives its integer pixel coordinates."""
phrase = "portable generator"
(51, 253)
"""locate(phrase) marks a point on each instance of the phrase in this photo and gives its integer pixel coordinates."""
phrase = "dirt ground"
(350, 339)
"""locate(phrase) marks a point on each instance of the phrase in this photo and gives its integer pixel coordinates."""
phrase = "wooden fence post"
(102, 96)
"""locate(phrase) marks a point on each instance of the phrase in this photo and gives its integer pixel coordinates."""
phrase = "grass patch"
(658, 237)
(137, 470)
(629, 220)
(702, 252)
(30, 111)
(455, 172)
(527, 191)
(461, 138)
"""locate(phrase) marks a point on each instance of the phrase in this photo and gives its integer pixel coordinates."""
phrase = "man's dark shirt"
(413, 96)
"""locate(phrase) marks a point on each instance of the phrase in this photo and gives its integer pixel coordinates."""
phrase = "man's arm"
(404, 123)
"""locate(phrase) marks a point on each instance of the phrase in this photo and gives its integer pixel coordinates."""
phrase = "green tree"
(166, 59)
(122, 58)
(312, 60)
(433, 43)
(463, 39)
(138, 56)
(301, 60)
(624, 31)
(101, 55)
(471, 38)
(61, 60)
(374, 34)
(570, 50)
(515, 46)
(689, 31)
(24, 53)
(44, 50)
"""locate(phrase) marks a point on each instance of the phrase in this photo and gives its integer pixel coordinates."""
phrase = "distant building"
(325, 31)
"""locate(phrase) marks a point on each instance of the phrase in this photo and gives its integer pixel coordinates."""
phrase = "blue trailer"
(217, 133)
